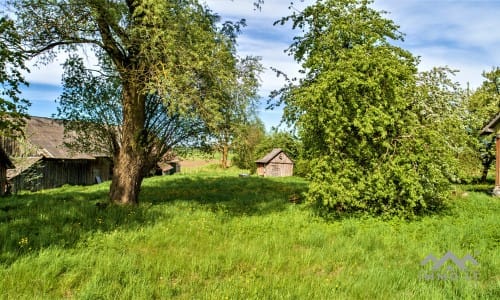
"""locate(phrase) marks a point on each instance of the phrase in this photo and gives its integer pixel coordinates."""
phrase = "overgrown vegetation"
(379, 138)
(215, 235)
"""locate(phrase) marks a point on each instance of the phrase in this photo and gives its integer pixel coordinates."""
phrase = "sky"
(461, 34)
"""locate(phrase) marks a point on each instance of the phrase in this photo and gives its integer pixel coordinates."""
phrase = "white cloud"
(464, 35)
(45, 73)
(51, 73)
(272, 10)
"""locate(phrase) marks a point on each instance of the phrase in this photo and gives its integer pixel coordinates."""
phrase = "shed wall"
(261, 169)
(278, 169)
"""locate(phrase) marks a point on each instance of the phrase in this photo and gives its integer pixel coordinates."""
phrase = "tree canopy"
(236, 106)
(356, 113)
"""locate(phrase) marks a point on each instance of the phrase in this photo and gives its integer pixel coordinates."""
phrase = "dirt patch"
(197, 163)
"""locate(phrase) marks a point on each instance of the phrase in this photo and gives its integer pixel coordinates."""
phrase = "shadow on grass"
(233, 195)
(485, 188)
(64, 217)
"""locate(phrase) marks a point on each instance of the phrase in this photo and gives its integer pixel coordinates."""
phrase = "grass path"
(213, 235)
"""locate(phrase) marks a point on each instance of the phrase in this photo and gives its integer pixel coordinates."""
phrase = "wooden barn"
(5, 164)
(43, 161)
(275, 164)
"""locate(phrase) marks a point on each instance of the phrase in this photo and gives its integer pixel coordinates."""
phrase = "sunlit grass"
(216, 235)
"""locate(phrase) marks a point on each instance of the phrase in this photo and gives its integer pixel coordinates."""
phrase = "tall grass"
(214, 235)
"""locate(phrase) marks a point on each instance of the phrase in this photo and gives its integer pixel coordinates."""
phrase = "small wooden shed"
(275, 164)
(5, 164)
(493, 126)
(168, 167)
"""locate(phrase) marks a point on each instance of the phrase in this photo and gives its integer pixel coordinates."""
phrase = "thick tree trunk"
(130, 161)
(127, 178)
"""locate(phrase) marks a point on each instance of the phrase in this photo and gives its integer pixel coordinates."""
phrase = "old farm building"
(275, 164)
(5, 164)
(42, 161)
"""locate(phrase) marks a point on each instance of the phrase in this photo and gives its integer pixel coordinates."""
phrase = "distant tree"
(441, 106)
(167, 49)
(236, 106)
(484, 104)
(355, 113)
(279, 139)
(244, 147)
(13, 108)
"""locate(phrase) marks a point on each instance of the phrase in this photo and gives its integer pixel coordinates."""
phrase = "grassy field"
(213, 235)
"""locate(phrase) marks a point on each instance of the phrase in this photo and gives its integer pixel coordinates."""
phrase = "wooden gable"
(493, 126)
(281, 158)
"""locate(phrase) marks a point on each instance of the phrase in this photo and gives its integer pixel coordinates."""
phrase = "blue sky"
(461, 34)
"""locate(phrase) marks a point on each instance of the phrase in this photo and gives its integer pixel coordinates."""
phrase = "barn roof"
(269, 156)
(48, 136)
(490, 127)
(4, 159)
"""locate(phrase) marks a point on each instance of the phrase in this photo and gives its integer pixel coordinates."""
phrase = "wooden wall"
(51, 173)
(3, 179)
(277, 167)
(261, 169)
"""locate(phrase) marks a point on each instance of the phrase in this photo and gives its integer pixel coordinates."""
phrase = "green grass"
(214, 235)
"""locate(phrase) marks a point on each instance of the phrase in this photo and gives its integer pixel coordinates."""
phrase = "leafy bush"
(374, 145)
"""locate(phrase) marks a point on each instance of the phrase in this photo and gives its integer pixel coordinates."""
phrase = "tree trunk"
(225, 154)
(484, 175)
(487, 161)
(127, 178)
(130, 161)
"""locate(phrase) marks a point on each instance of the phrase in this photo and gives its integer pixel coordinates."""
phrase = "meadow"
(210, 234)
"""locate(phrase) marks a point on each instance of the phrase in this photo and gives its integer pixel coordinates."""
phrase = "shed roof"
(270, 156)
(4, 159)
(48, 136)
(490, 127)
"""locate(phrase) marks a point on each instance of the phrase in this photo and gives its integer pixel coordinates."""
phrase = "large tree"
(244, 145)
(90, 106)
(355, 112)
(166, 48)
(12, 106)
